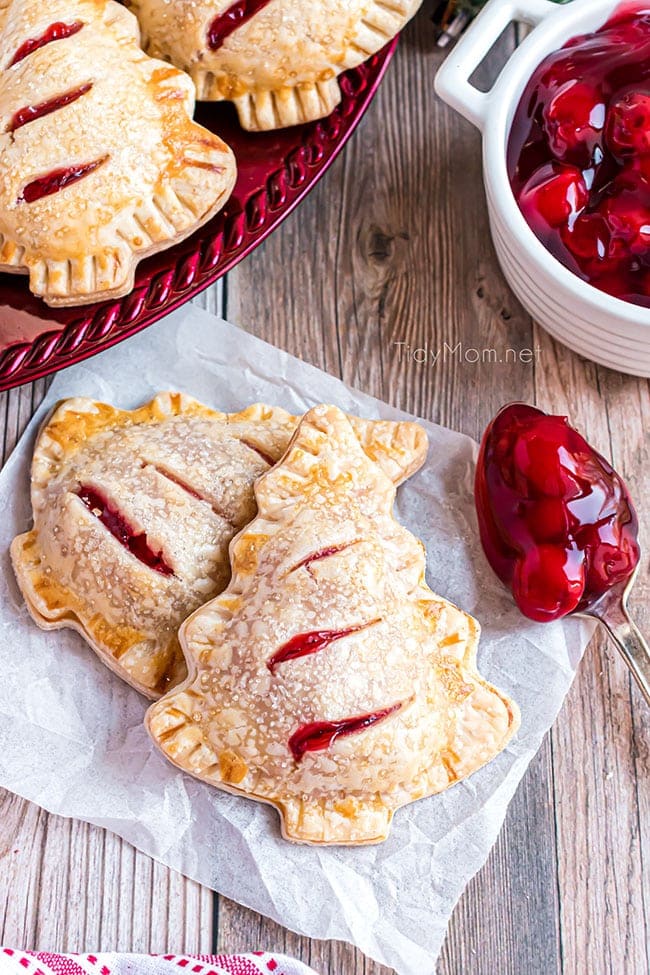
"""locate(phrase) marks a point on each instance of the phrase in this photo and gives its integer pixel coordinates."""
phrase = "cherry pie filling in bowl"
(579, 155)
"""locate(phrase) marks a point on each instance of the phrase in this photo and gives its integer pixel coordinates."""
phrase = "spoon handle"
(629, 640)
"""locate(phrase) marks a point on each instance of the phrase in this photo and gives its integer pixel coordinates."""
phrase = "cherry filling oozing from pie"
(115, 522)
(55, 32)
(305, 644)
(32, 112)
(319, 735)
(226, 23)
(57, 180)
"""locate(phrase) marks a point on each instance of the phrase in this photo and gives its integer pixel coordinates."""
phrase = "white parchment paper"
(71, 734)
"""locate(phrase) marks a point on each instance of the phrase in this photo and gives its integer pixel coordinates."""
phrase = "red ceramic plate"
(276, 170)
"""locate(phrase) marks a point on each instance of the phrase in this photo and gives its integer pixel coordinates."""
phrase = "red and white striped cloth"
(14, 962)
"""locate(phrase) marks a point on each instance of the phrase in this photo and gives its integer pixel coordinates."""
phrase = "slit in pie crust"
(134, 513)
(278, 61)
(327, 679)
(101, 164)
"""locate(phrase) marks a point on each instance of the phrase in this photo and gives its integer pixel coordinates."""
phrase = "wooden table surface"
(393, 247)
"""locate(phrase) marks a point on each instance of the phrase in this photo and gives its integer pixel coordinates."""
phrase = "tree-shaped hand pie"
(328, 680)
(134, 512)
(100, 161)
(277, 60)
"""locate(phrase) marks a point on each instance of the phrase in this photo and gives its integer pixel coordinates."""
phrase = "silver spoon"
(611, 610)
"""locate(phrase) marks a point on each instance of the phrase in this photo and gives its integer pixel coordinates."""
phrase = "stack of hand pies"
(247, 573)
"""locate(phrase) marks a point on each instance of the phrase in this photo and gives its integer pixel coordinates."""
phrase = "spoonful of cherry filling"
(558, 526)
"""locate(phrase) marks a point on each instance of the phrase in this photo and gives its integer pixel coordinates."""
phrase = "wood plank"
(68, 886)
(243, 930)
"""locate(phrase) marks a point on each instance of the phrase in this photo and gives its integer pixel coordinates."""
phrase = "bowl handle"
(452, 81)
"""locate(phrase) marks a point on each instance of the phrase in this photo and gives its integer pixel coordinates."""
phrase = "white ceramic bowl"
(608, 330)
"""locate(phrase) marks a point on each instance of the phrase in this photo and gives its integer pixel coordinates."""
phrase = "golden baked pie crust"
(325, 556)
(182, 473)
(281, 67)
(155, 175)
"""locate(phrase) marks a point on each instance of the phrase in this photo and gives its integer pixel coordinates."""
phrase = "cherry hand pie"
(277, 60)
(328, 680)
(134, 513)
(100, 161)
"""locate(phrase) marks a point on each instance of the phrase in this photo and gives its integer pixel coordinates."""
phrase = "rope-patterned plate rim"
(169, 280)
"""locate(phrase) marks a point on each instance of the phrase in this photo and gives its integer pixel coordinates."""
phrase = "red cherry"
(543, 467)
(556, 192)
(626, 211)
(548, 582)
(623, 29)
(548, 520)
(574, 118)
(620, 284)
(591, 242)
(628, 124)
